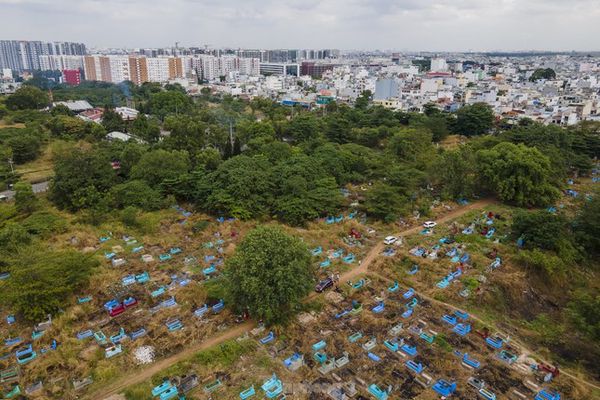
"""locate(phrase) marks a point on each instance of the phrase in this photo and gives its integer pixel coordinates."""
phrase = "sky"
(408, 25)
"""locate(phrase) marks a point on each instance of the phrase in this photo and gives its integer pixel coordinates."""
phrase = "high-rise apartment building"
(138, 69)
(22, 55)
(53, 63)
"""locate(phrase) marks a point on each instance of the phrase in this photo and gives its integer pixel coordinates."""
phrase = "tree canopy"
(518, 174)
(472, 120)
(27, 98)
(269, 274)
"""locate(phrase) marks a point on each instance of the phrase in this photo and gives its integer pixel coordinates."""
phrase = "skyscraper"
(23, 55)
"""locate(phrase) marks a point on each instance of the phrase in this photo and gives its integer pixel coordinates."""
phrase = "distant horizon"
(411, 25)
(188, 46)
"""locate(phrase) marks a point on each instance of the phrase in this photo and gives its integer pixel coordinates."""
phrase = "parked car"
(324, 285)
(390, 240)
(429, 224)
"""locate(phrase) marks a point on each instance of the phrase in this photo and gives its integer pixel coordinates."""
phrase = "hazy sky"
(437, 25)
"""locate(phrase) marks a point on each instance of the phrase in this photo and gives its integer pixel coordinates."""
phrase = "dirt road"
(378, 248)
(142, 375)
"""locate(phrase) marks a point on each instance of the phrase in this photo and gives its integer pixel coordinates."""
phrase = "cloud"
(438, 25)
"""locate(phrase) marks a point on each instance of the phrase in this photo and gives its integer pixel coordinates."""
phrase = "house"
(121, 136)
(75, 106)
(127, 113)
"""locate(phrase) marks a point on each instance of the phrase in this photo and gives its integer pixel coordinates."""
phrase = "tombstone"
(80, 384)
(118, 262)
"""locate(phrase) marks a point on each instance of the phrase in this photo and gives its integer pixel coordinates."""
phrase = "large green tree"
(25, 146)
(455, 172)
(80, 178)
(517, 174)
(27, 98)
(112, 121)
(135, 193)
(240, 187)
(269, 274)
(303, 190)
(145, 128)
(384, 202)
(475, 119)
(169, 102)
(159, 165)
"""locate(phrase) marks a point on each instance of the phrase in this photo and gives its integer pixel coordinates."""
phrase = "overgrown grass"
(222, 356)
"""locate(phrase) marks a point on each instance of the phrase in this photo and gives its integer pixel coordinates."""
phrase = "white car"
(390, 240)
(429, 224)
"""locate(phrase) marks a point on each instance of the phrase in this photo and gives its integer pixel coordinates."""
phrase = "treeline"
(259, 159)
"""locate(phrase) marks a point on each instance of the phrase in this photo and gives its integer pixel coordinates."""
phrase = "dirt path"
(142, 375)
(378, 248)
(145, 374)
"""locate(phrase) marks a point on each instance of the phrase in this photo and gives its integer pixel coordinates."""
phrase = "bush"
(135, 193)
(542, 263)
(44, 223)
(584, 311)
(129, 216)
(42, 282)
(25, 147)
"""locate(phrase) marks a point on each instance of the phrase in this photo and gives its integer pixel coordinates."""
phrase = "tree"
(543, 230)
(304, 127)
(455, 171)
(240, 187)
(112, 121)
(517, 174)
(362, 101)
(135, 193)
(338, 129)
(542, 73)
(269, 274)
(80, 177)
(187, 133)
(587, 225)
(25, 146)
(25, 200)
(412, 145)
(156, 166)
(385, 203)
(584, 310)
(44, 223)
(146, 129)
(438, 125)
(13, 236)
(209, 159)
(169, 102)
(64, 126)
(472, 120)
(303, 191)
(61, 109)
(41, 281)
(27, 98)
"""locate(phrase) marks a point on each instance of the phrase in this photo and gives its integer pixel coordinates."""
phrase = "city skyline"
(405, 25)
